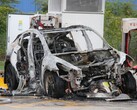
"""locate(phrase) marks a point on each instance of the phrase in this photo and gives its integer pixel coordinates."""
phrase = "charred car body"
(52, 62)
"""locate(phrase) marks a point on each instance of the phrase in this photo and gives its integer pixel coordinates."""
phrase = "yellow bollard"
(2, 84)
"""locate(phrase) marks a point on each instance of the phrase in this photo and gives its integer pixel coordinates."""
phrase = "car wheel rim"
(50, 85)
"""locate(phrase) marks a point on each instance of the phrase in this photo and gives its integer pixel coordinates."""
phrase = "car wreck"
(52, 62)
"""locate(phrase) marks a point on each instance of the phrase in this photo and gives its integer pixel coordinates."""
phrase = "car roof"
(65, 29)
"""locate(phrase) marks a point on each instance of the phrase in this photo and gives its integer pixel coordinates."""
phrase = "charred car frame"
(52, 62)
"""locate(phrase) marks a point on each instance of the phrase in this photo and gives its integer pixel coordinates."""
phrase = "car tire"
(54, 85)
(11, 79)
(129, 84)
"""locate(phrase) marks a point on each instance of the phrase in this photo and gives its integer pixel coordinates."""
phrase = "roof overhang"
(129, 24)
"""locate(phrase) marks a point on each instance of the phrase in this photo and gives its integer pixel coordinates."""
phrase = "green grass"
(1, 65)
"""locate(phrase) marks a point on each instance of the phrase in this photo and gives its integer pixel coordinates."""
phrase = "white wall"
(16, 25)
(95, 21)
(54, 6)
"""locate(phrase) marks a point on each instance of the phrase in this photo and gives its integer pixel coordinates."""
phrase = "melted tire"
(54, 85)
(11, 79)
(129, 84)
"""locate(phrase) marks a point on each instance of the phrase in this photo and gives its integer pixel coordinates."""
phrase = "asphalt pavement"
(40, 103)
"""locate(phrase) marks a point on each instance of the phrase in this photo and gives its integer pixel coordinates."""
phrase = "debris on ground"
(121, 97)
(5, 100)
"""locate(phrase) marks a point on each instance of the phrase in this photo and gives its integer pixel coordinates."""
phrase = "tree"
(133, 45)
(7, 2)
(115, 11)
(5, 9)
(42, 5)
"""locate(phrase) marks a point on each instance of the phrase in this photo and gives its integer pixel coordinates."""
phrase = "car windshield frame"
(81, 28)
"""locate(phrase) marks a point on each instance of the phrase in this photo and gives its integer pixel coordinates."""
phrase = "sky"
(26, 6)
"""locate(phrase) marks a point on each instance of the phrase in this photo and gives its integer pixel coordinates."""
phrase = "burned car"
(75, 60)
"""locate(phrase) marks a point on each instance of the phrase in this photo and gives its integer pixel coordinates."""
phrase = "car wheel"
(129, 83)
(54, 85)
(11, 79)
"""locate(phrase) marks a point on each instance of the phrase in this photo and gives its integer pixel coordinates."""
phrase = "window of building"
(84, 5)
